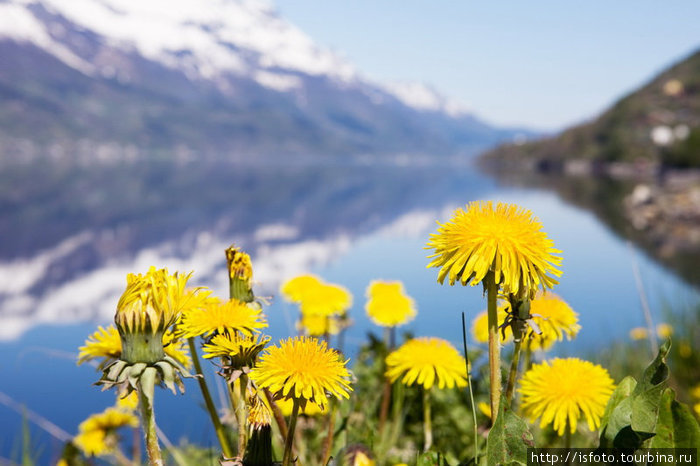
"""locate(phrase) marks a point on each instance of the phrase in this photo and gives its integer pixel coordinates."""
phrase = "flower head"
(151, 302)
(639, 333)
(425, 359)
(304, 369)
(326, 300)
(388, 305)
(97, 434)
(561, 390)
(297, 288)
(240, 270)
(222, 317)
(555, 319)
(480, 325)
(506, 240)
(239, 352)
(105, 343)
(316, 325)
(664, 330)
(311, 408)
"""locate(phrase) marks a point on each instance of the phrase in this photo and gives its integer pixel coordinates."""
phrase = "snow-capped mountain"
(207, 76)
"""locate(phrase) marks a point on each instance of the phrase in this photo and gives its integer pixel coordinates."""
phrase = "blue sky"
(545, 64)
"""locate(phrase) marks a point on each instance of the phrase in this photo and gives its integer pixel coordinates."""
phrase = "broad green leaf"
(676, 426)
(508, 439)
(623, 390)
(647, 394)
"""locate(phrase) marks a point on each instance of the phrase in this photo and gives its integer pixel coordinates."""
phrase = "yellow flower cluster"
(388, 305)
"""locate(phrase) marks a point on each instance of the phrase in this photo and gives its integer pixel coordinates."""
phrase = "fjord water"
(65, 254)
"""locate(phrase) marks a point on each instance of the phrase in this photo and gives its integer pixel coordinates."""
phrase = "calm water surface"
(348, 224)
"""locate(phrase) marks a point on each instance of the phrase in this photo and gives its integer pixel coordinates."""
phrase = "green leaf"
(676, 426)
(619, 418)
(647, 394)
(508, 439)
(631, 414)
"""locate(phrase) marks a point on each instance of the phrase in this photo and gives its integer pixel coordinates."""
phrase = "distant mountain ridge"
(212, 77)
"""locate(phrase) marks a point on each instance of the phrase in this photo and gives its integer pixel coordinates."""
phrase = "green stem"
(494, 346)
(148, 421)
(513, 374)
(427, 421)
(287, 458)
(567, 441)
(328, 444)
(216, 422)
(471, 392)
(241, 415)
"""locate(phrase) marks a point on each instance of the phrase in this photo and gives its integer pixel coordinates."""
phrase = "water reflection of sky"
(41, 327)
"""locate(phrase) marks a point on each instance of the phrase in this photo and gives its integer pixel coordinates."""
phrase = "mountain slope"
(656, 124)
(216, 77)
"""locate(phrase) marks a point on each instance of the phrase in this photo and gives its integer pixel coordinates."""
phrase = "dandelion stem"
(389, 337)
(216, 422)
(513, 374)
(146, 393)
(471, 392)
(494, 347)
(287, 458)
(427, 421)
(328, 444)
(240, 414)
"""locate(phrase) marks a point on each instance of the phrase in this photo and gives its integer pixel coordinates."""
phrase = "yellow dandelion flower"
(697, 409)
(152, 302)
(685, 350)
(176, 348)
(695, 392)
(106, 343)
(555, 319)
(423, 360)
(297, 288)
(311, 408)
(639, 333)
(259, 413)
(129, 402)
(239, 265)
(92, 443)
(484, 408)
(222, 317)
(95, 435)
(480, 325)
(507, 240)
(560, 390)
(317, 325)
(240, 350)
(326, 300)
(388, 305)
(304, 369)
(361, 459)
(664, 330)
